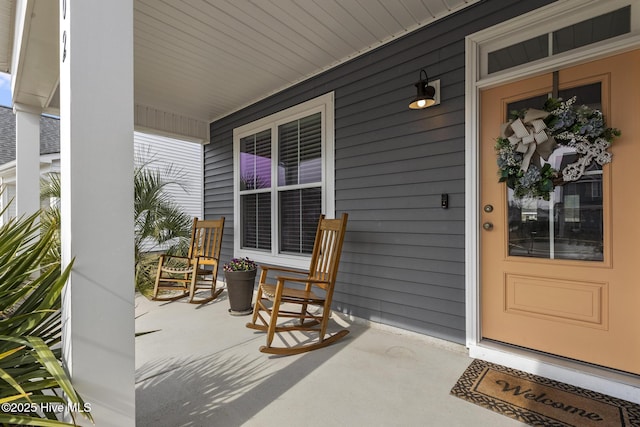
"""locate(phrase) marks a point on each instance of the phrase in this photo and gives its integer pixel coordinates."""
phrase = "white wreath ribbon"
(529, 136)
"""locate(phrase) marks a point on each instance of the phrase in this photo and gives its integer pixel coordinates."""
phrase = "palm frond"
(30, 322)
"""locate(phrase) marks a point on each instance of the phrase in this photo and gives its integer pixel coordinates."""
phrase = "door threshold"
(613, 383)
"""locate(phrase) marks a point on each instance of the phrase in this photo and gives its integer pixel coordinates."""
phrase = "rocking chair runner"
(199, 269)
(317, 293)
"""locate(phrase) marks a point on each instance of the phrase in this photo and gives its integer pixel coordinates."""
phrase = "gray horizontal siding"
(218, 185)
(403, 258)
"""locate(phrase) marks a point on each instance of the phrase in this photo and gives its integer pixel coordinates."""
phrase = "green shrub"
(30, 325)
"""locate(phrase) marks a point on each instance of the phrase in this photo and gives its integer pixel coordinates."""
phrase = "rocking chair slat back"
(326, 252)
(206, 238)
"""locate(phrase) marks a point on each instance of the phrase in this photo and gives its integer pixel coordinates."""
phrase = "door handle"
(487, 226)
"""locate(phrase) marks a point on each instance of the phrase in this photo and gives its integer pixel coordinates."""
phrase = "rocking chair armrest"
(164, 257)
(205, 259)
(300, 280)
(283, 269)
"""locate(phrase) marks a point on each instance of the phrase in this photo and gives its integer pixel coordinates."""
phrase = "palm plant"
(30, 327)
(50, 218)
(159, 221)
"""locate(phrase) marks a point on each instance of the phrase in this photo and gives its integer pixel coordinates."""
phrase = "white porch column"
(96, 135)
(27, 159)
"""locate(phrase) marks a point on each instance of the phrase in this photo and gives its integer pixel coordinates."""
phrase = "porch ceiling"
(203, 59)
(7, 12)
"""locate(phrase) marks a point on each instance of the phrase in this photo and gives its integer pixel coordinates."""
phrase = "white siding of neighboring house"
(8, 194)
(186, 158)
(49, 163)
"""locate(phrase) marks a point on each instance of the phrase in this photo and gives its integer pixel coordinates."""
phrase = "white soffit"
(35, 54)
(7, 13)
(208, 58)
(198, 60)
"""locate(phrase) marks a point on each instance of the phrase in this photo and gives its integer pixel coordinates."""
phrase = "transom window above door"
(559, 31)
(283, 170)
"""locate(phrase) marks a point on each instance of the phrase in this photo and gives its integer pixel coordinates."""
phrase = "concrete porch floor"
(202, 367)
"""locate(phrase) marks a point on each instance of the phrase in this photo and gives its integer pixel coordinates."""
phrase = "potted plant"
(240, 275)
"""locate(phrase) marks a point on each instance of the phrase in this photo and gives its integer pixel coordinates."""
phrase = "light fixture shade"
(425, 94)
(425, 97)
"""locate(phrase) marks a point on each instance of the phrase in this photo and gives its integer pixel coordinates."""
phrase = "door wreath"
(530, 136)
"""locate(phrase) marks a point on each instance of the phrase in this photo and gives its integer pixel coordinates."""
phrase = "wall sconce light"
(428, 95)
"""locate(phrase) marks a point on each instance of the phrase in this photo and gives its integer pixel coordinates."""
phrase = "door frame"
(554, 16)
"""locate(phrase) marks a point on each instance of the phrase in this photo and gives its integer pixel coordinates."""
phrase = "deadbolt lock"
(488, 208)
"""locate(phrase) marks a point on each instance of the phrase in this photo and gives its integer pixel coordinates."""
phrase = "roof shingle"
(49, 135)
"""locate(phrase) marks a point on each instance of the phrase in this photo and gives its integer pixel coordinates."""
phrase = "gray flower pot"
(240, 290)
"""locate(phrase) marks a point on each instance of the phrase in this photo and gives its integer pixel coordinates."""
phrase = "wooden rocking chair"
(199, 269)
(315, 290)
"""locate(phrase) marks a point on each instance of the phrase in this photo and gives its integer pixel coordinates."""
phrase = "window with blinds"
(255, 185)
(299, 182)
(281, 188)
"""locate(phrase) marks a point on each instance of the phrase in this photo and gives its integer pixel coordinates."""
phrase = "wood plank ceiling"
(208, 58)
(203, 59)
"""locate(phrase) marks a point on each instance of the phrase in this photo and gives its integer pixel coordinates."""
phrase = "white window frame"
(323, 104)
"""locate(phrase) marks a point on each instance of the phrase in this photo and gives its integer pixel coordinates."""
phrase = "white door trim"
(605, 381)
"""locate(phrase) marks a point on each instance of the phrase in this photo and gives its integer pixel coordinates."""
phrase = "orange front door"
(563, 276)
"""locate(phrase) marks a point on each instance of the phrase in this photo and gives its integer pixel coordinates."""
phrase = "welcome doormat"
(539, 401)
